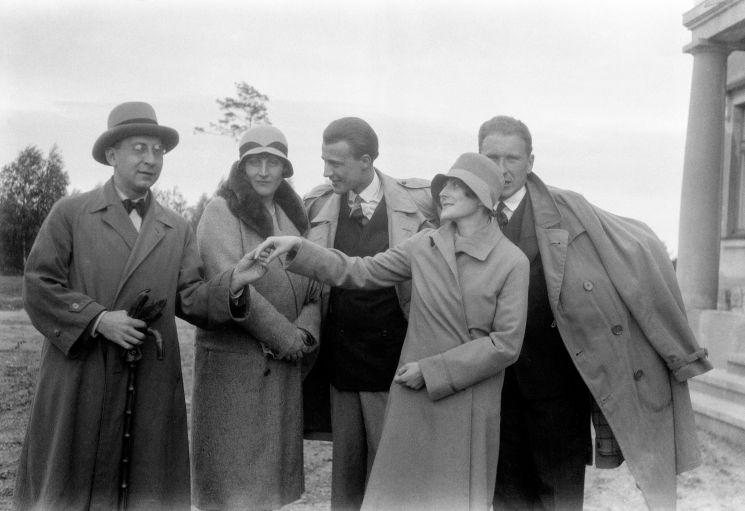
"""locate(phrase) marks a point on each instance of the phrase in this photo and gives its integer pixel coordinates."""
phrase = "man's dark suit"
(545, 404)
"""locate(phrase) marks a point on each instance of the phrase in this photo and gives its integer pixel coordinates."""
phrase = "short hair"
(505, 125)
(356, 132)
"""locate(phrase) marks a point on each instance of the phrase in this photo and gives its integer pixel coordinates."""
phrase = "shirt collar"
(122, 196)
(372, 193)
(514, 200)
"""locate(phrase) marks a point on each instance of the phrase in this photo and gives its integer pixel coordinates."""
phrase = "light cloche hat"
(264, 139)
(479, 173)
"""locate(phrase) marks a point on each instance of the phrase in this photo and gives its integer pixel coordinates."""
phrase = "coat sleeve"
(642, 274)
(483, 357)
(219, 236)
(201, 302)
(309, 318)
(335, 268)
(62, 314)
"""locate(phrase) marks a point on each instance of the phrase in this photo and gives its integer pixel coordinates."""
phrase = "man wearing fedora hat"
(361, 211)
(606, 338)
(96, 255)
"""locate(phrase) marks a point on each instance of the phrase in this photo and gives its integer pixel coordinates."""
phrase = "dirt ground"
(717, 485)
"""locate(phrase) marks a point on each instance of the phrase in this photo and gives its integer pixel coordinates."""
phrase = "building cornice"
(705, 11)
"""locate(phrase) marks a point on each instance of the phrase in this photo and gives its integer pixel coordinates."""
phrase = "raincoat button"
(617, 329)
(587, 285)
(638, 374)
(75, 306)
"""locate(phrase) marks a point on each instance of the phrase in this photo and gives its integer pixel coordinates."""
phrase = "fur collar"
(244, 203)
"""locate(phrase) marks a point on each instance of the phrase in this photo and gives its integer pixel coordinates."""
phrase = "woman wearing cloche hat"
(469, 296)
(247, 424)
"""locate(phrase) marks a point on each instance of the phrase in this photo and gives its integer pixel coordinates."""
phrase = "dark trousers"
(544, 447)
(357, 425)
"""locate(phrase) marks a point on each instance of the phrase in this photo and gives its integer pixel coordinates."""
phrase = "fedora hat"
(264, 139)
(479, 173)
(129, 120)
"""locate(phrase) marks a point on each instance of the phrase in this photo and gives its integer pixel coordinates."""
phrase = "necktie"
(139, 205)
(502, 219)
(356, 212)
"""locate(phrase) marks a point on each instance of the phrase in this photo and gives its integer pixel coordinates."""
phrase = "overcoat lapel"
(152, 231)
(115, 217)
(443, 240)
(403, 220)
(552, 239)
(323, 226)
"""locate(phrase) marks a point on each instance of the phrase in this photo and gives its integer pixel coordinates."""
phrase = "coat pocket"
(650, 374)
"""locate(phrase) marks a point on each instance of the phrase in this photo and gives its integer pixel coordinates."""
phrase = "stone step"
(720, 416)
(736, 364)
(720, 384)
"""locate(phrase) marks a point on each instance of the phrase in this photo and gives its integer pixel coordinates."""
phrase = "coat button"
(617, 329)
(553, 324)
(57, 333)
(638, 374)
(75, 306)
(587, 285)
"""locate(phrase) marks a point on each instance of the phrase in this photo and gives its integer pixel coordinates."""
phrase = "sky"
(603, 86)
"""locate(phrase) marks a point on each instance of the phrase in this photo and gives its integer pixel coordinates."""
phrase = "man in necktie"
(357, 213)
(94, 256)
(606, 336)
(361, 212)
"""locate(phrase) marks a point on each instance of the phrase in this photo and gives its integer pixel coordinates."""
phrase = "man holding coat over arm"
(606, 336)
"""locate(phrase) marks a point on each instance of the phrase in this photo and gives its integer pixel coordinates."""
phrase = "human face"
(264, 171)
(457, 201)
(510, 154)
(344, 170)
(137, 163)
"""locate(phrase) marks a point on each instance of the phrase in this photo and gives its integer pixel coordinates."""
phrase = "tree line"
(33, 182)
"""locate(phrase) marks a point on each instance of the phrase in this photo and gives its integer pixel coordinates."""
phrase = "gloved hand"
(147, 312)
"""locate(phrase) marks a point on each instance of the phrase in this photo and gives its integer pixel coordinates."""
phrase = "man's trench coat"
(88, 257)
(439, 446)
(616, 302)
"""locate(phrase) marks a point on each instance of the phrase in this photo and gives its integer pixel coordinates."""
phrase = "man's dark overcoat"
(88, 257)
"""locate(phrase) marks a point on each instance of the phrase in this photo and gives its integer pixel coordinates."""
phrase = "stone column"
(700, 204)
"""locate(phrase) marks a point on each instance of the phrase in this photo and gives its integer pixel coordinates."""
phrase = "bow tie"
(139, 205)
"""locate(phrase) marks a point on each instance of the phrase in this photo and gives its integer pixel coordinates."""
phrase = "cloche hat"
(479, 173)
(128, 120)
(264, 139)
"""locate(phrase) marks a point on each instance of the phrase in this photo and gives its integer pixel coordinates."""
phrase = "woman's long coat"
(88, 257)
(439, 447)
(247, 413)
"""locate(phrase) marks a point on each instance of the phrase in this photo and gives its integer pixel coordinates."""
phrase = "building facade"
(711, 250)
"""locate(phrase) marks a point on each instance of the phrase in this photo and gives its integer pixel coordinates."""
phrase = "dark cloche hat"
(131, 119)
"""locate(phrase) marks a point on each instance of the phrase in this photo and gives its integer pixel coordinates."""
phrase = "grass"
(10, 292)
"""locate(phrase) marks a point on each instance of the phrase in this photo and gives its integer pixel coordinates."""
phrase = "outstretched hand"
(275, 246)
(249, 269)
